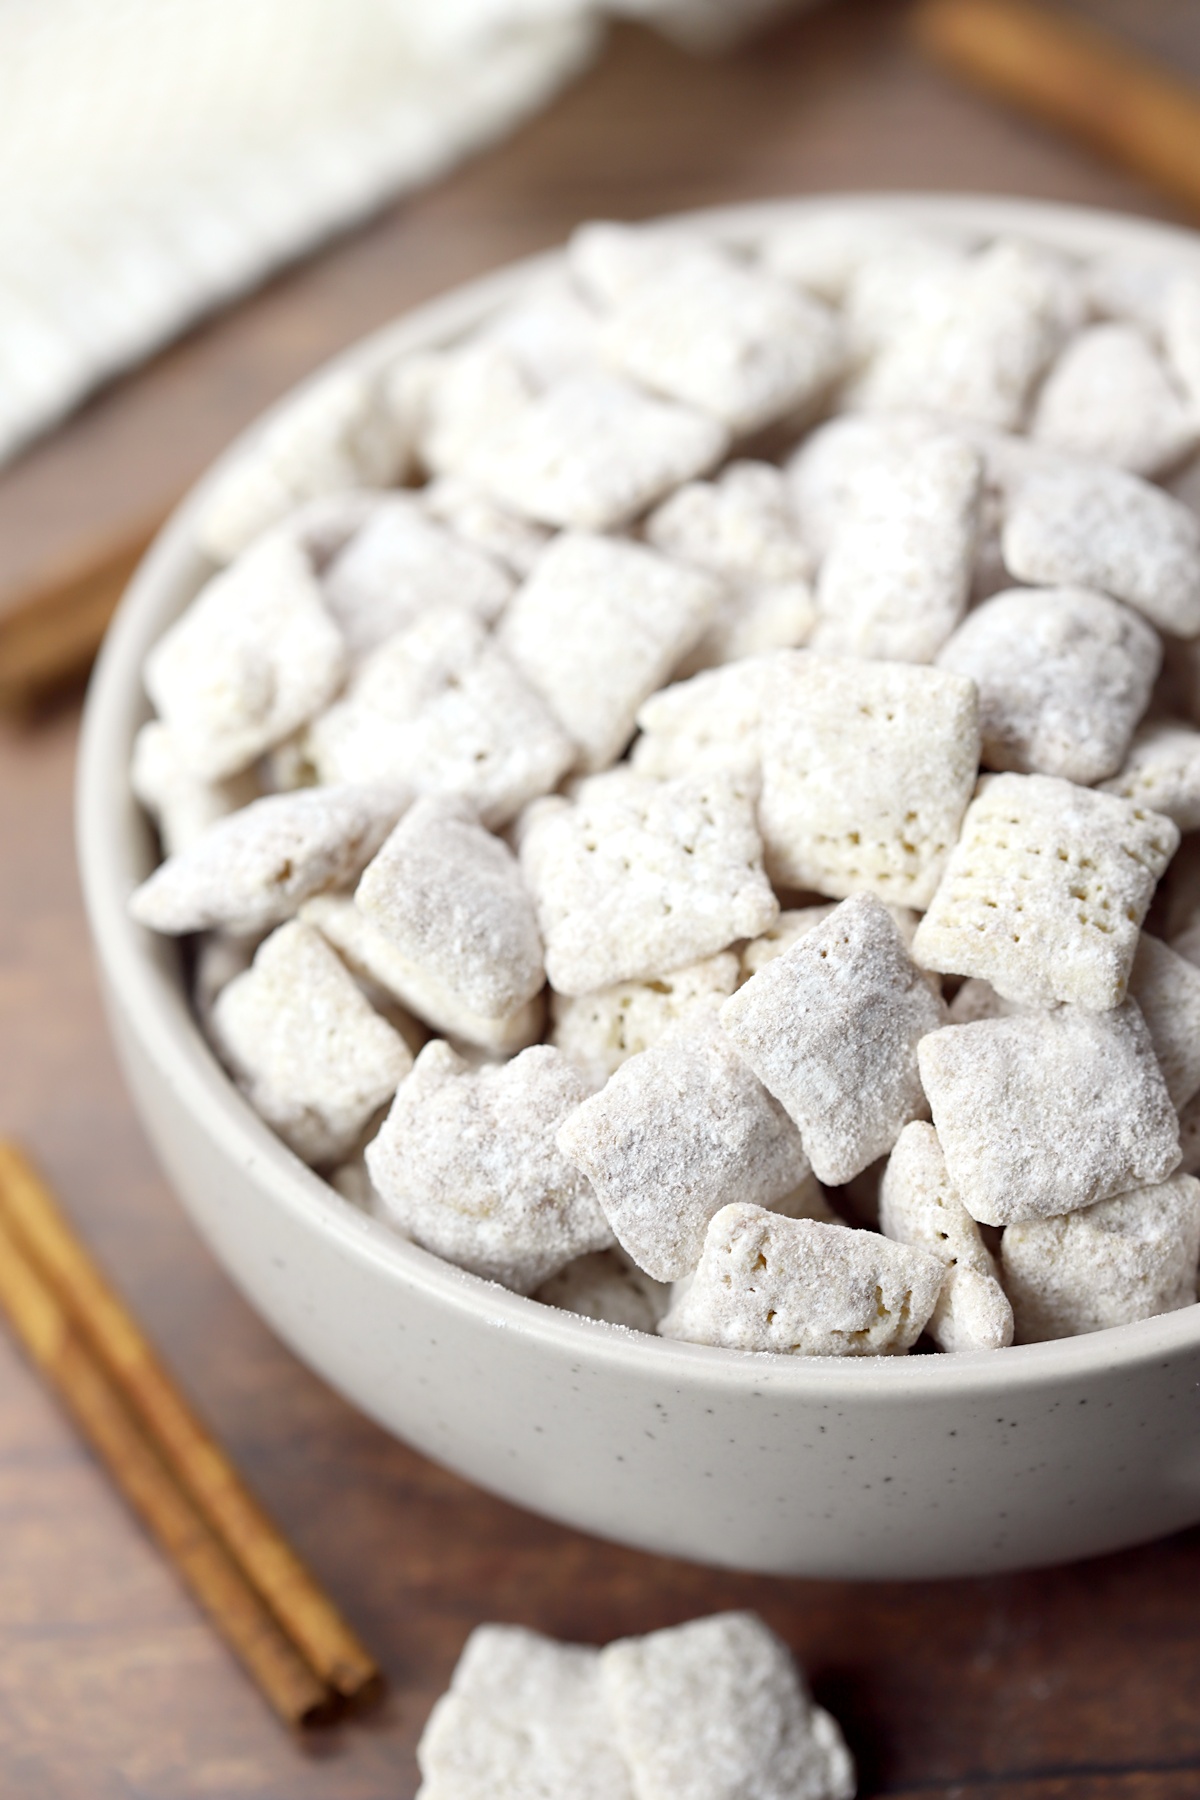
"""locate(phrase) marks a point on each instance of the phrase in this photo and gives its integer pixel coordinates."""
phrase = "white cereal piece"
(824, 473)
(456, 396)
(182, 804)
(466, 1165)
(609, 261)
(254, 657)
(389, 977)
(728, 340)
(717, 1710)
(450, 897)
(600, 1031)
(1162, 771)
(825, 252)
(753, 620)
(711, 721)
(306, 1048)
(978, 999)
(550, 332)
(1166, 988)
(977, 336)
(474, 517)
(1109, 398)
(677, 1130)
(1063, 674)
(1132, 1257)
(800, 1288)
(593, 452)
(1181, 332)
(341, 432)
(918, 1205)
(634, 878)
(787, 930)
(597, 627)
(401, 564)
(1189, 1137)
(1096, 527)
(741, 526)
(218, 957)
(1045, 891)
(321, 527)
(523, 1717)
(252, 869)
(831, 1028)
(1135, 289)
(897, 575)
(808, 1201)
(608, 1285)
(867, 768)
(1046, 1112)
(441, 708)
(892, 287)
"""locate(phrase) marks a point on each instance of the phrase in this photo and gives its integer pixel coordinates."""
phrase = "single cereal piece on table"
(1162, 771)
(634, 878)
(401, 564)
(441, 708)
(711, 721)
(523, 1717)
(1096, 527)
(1131, 1257)
(1063, 675)
(1043, 1113)
(867, 768)
(600, 1030)
(918, 1205)
(476, 519)
(1166, 988)
(897, 575)
(252, 869)
(599, 625)
(593, 452)
(255, 656)
(182, 804)
(1045, 891)
(677, 1130)
(312, 1056)
(608, 1285)
(1109, 398)
(466, 1165)
(717, 1710)
(831, 1028)
(800, 1288)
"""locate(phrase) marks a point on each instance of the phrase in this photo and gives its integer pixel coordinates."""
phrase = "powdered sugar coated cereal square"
(455, 396)
(711, 721)
(600, 1031)
(1166, 988)
(476, 519)
(740, 525)
(608, 1285)
(182, 804)
(1162, 772)
(1110, 399)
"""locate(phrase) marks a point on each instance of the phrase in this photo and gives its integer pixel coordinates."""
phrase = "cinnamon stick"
(42, 1324)
(1074, 75)
(187, 1448)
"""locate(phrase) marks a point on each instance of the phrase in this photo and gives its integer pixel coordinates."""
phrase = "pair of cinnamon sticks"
(176, 1477)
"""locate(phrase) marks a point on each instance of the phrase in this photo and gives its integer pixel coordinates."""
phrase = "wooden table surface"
(1079, 1684)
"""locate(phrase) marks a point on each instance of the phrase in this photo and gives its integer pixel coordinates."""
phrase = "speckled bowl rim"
(115, 852)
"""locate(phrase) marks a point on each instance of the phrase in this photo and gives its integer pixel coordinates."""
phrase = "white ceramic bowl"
(916, 1466)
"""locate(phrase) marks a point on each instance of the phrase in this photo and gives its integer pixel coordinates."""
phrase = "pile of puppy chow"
(683, 800)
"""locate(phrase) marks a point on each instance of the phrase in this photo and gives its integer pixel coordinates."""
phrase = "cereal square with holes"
(867, 768)
(1046, 891)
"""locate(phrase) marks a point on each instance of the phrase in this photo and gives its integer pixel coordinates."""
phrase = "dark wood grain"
(1079, 1684)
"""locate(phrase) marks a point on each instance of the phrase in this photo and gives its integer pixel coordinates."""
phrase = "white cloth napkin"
(159, 156)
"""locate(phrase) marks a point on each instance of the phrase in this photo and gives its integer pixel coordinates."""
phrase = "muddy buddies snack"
(741, 758)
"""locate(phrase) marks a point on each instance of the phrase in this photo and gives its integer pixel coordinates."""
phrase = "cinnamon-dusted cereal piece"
(182, 804)
(441, 708)
(466, 1165)
(401, 564)
(729, 340)
(831, 1028)
(634, 878)
(1109, 398)
(1063, 675)
(608, 1285)
(1046, 1112)
(455, 396)
(600, 1030)
(1162, 771)
(712, 721)
(255, 656)
(867, 768)
(895, 581)
(1045, 891)
(1131, 1257)
(597, 627)
(1167, 990)
(593, 452)
(717, 1710)
(918, 1205)
(800, 1288)
(312, 1056)
(524, 1717)
(1096, 527)
(476, 519)
(252, 869)
(678, 1130)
